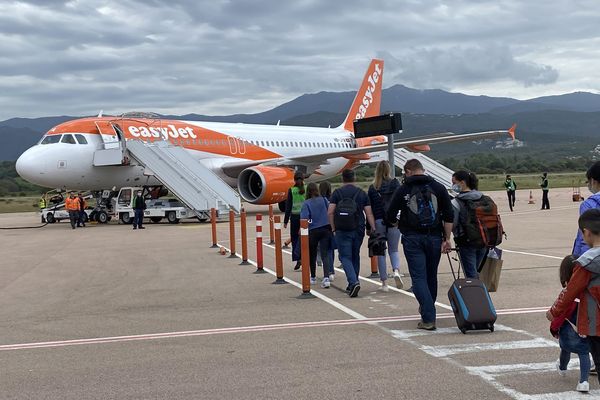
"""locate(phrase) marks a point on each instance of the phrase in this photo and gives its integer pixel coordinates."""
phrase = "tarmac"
(105, 312)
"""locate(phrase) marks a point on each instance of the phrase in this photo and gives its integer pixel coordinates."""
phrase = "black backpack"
(386, 200)
(345, 217)
(422, 208)
(479, 223)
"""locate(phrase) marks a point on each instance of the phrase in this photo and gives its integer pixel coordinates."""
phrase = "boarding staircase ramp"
(436, 170)
(196, 186)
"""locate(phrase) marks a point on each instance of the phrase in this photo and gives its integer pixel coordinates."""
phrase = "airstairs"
(436, 170)
(196, 186)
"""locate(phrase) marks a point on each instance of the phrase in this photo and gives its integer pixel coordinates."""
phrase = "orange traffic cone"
(531, 201)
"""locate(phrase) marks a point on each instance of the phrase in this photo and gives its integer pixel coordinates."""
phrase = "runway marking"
(508, 369)
(445, 351)
(508, 213)
(532, 254)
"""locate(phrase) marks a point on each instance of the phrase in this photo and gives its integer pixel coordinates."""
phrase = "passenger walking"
(426, 217)
(325, 191)
(511, 188)
(139, 205)
(585, 285)
(471, 254)
(593, 183)
(293, 205)
(347, 210)
(314, 209)
(72, 206)
(82, 205)
(564, 328)
(545, 188)
(380, 195)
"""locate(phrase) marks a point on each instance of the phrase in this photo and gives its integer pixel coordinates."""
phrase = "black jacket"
(401, 198)
(376, 196)
(139, 203)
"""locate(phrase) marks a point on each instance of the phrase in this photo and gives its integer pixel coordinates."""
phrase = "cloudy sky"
(224, 57)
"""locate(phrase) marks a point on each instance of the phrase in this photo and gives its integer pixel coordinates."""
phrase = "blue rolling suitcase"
(471, 303)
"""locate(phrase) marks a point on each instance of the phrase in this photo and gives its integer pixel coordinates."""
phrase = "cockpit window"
(50, 139)
(81, 139)
(68, 139)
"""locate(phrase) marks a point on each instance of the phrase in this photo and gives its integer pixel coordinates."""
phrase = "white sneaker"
(331, 277)
(583, 387)
(398, 279)
(313, 281)
(384, 287)
(325, 283)
(562, 372)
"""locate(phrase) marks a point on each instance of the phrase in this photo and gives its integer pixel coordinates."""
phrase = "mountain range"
(573, 117)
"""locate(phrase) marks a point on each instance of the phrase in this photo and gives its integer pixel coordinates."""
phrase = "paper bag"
(490, 273)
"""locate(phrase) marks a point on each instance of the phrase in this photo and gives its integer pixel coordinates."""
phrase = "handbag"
(492, 267)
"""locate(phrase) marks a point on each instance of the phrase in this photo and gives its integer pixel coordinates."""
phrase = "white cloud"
(222, 57)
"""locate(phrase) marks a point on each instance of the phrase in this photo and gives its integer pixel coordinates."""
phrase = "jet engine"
(265, 185)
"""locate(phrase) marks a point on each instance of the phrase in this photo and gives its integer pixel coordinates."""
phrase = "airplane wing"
(313, 161)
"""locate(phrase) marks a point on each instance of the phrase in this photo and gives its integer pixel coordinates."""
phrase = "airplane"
(258, 160)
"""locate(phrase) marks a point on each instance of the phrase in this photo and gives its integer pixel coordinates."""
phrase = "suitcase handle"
(457, 275)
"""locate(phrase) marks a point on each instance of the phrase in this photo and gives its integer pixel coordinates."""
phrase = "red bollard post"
(213, 222)
(232, 233)
(374, 267)
(271, 225)
(278, 252)
(244, 236)
(259, 246)
(305, 259)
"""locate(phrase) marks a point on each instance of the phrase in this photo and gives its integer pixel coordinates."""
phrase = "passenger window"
(51, 139)
(81, 139)
(68, 139)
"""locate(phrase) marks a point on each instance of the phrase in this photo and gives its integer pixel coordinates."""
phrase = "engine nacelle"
(265, 185)
(419, 147)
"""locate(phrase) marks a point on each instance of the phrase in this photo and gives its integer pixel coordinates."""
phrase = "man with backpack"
(426, 217)
(348, 207)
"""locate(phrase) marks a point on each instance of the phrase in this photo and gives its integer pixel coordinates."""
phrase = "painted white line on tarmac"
(508, 369)
(508, 213)
(532, 254)
(445, 351)
(405, 334)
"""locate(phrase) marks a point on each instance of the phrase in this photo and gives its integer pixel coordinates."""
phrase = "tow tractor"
(156, 209)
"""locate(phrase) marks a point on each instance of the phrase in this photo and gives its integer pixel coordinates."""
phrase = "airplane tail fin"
(511, 131)
(367, 102)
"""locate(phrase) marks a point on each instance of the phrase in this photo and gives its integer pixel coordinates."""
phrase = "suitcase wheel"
(491, 327)
(463, 330)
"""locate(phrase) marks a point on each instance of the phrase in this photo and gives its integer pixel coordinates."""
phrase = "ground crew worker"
(511, 188)
(544, 186)
(293, 206)
(139, 205)
(72, 206)
(42, 203)
(82, 205)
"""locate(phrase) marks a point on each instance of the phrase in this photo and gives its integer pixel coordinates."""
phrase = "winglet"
(511, 131)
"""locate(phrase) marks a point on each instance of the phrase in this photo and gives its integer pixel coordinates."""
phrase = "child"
(585, 285)
(562, 327)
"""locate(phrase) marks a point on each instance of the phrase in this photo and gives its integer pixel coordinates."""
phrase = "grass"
(18, 204)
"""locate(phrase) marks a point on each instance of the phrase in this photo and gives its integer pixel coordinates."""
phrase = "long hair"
(469, 178)
(566, 270)
(299, 181)
(312, 190)
(382, 173)
(325, 189)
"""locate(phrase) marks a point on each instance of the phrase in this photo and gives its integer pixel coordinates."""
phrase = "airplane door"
(232, 145)
(241, 145)
(110, 138)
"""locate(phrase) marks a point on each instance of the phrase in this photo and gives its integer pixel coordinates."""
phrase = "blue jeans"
(571, 342)
(423, 252)
(348, 243)
(392, 235)
(471, 258)
(138, 218)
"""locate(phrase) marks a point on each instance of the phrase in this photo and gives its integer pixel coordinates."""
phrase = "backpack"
(345, 216)
(423, 208)
(480, 223)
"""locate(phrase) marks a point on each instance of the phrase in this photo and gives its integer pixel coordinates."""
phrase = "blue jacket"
(315, 210)
(579, 247)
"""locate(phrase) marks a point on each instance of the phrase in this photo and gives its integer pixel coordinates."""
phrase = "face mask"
(591, 188)
(139, 193)
(456, 187)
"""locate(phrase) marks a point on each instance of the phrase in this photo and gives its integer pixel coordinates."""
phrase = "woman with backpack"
(593, 183)
(380, 193)
(471, 251)
(314, 210)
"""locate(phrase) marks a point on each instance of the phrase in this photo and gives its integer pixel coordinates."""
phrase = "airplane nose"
(29, 166)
